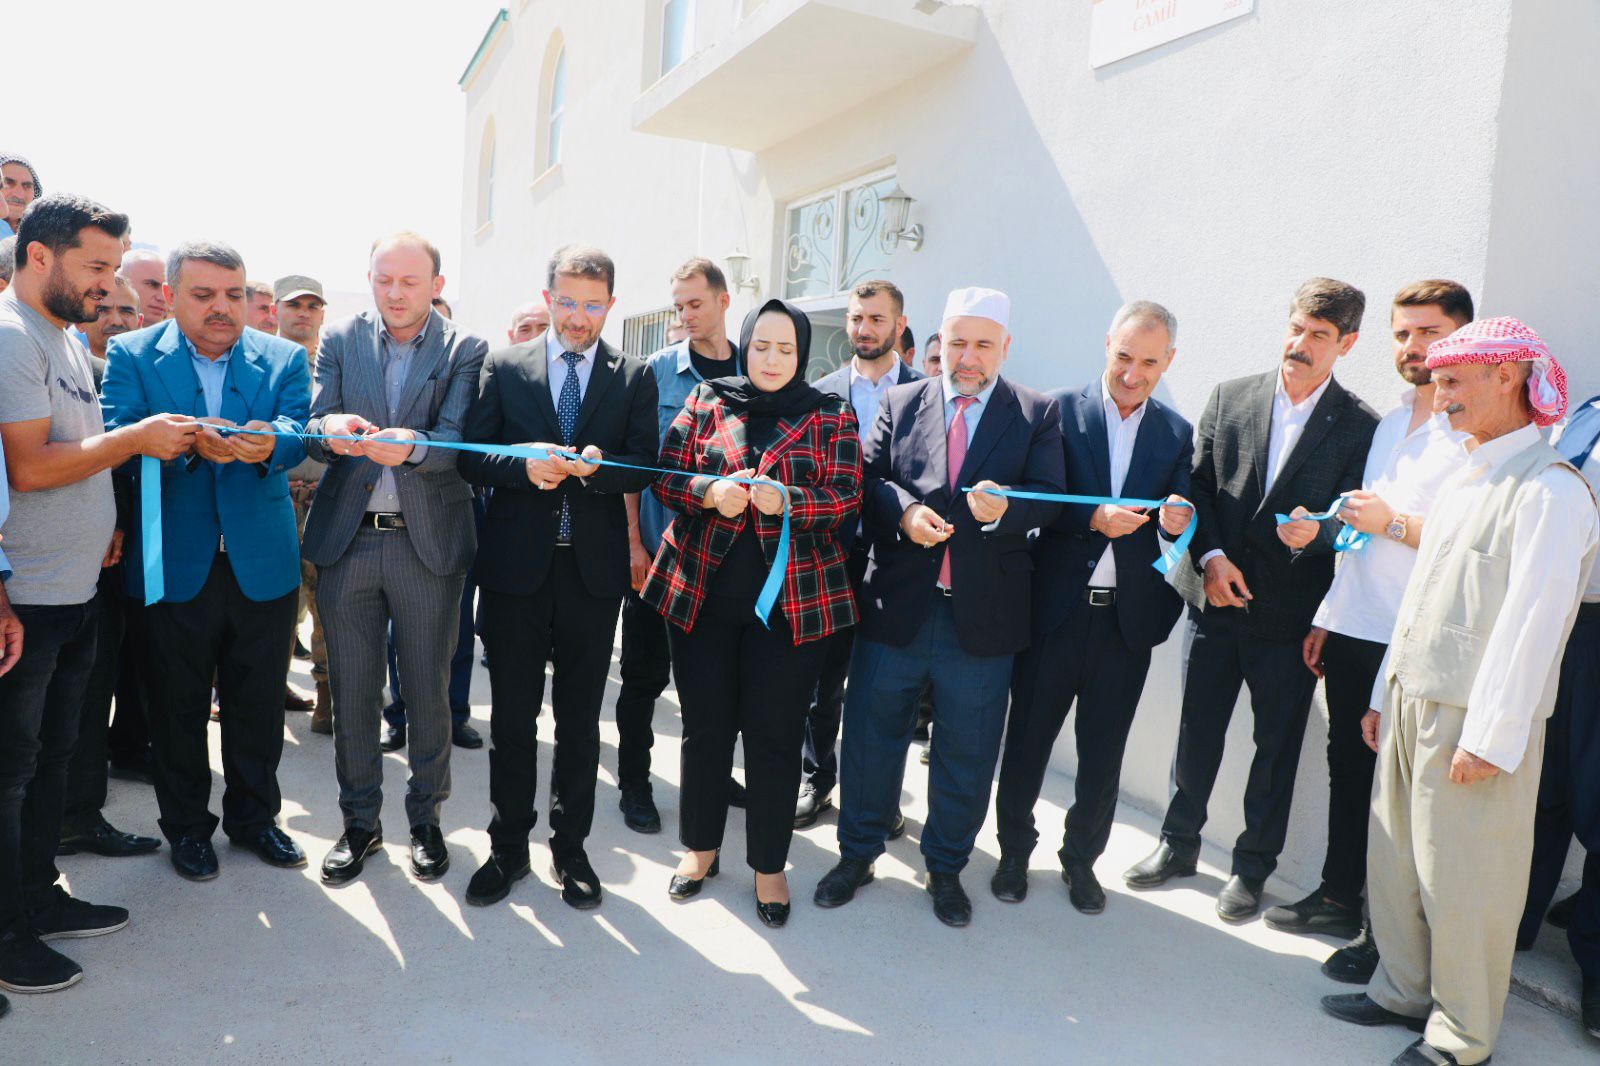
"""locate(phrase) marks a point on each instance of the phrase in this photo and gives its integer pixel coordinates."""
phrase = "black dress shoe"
(393, 737)
(898, 829)
(355, 845)
(1010, 881)
(1359, 1009)
(772, 915)
(736, 796)
(102, 838)
(301, 651)
(274, 848)
(492, 883)
(1315, 915)
(1423, 1053)
(1159, 867)
(430, 859)
(65, 918)
(950, 903)
(293, 701)
(29, 965)
(681, 887)
(462, 735)
(639, 812)
(838, 886)
(1356, 962)
(194, 858)
(1083, 887)
(1239, 899)
(812, 802)
(580, 885)
(1560, 913)
(1590, 1006)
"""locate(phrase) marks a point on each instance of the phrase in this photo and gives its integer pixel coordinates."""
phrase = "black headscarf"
(797, 397)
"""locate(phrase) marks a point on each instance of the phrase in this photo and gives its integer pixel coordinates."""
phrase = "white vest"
(1455, 594)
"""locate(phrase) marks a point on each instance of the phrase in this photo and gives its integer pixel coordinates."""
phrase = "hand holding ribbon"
(1169, 555)
(1349, 538)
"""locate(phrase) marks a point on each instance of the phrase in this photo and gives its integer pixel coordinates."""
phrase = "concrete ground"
(264, 965)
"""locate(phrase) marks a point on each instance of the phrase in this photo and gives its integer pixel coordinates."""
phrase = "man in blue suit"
(956, 565)
(230, 553)
(1099, 606)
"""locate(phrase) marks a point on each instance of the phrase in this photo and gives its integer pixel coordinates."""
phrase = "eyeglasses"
(570, 305)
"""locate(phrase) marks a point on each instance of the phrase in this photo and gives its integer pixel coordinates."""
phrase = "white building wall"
(1369, 142)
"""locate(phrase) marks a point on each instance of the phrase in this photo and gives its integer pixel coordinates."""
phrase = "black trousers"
(737, 678)
(40, 702)
(86, 773)
(1280, 700)
(128, 740)
(1350, 667)
(1085, 659)
(1569, 797)
(646, 667)
(245, 644)
(563, 624)
(820, 752)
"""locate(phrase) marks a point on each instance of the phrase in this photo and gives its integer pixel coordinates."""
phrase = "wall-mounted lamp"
(897, 212)
(739, 270)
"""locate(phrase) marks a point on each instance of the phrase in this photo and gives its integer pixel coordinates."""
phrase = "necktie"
(567, 415)
(955, 452)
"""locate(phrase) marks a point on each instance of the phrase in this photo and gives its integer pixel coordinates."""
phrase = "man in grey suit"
(392, 535)
(874, 321)
(1284, 441)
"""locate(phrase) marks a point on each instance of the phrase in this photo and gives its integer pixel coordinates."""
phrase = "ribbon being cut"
(1169, 555)
(150, 503)
(1349, 539)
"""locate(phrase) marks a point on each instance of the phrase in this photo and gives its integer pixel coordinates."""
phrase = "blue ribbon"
(150, 500)
(1350, 539)
(1169, 555)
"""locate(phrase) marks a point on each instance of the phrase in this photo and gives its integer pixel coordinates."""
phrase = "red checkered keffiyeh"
(1506, 340)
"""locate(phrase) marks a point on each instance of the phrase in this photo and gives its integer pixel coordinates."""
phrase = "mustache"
(219, 320)
(1454, 408)
(1298, 357)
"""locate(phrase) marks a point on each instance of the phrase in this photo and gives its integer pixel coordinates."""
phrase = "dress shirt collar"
(194, 353)
(1490, 455)
(892, 376)
(415, 342)
(1113, 414)
(553, 345)
(951, 395)
(1281, 395)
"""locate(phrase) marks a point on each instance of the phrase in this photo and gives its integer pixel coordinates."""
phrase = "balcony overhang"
(792, 64)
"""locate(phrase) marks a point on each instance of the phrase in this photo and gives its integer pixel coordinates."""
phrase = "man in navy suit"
(230, 552)
(1102, 605)
(958, 564)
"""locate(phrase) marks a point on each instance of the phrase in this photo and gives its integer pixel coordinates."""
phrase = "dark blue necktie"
(567, 415)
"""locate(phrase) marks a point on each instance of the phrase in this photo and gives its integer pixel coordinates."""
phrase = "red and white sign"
(1121, 28)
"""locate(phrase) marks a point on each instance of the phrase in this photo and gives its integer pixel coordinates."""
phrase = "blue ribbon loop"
(1350, 539)
(1169, 555)
(150, 503)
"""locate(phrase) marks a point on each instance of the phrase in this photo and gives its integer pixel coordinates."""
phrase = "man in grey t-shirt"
(59, 533)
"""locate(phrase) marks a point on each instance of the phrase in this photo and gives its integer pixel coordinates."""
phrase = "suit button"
(366, 488)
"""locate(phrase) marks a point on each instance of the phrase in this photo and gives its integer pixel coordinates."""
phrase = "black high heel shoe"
(682, 887)
(772, 915)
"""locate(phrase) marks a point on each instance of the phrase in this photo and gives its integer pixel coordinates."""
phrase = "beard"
(69, 304)
(867, 355)
(1416, 373)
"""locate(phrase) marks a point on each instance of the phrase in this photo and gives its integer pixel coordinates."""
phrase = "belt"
(384, 521)
(1099, 597)
(1589, 611)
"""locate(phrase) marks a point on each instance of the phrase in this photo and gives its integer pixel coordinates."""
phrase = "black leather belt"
(384, 521)
(1100, 597)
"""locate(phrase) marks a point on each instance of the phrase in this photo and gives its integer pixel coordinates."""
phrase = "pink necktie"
(955, 452)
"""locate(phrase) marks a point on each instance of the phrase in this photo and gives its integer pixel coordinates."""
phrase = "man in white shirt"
(1459, 708)
(1413, 451)
(1569, 787)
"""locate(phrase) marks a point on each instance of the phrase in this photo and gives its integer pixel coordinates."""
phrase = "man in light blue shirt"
(700, 299)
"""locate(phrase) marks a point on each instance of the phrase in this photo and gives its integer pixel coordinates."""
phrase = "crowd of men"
(1433, 567)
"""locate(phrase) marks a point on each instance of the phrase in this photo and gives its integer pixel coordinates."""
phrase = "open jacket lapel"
(1260, 415)
(601, 376)
(930, 429)
(1323, 416)
(1092, 412)
(247, 372)
(436, 341)
(992, 425)
(177, 376)
(538, 376)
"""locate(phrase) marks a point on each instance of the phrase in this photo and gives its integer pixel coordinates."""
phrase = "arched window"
(486, 153)
(552, 103)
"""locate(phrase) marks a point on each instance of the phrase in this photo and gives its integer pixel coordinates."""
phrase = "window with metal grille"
(644, 335)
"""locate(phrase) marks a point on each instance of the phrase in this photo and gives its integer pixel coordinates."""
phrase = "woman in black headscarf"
(737, 674)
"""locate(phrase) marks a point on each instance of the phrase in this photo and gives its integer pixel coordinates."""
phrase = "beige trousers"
(1447, 876)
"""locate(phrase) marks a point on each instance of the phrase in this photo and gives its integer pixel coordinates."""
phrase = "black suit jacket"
(1236, 512)
(1017, 445)
(1068, 550)
(514, 406)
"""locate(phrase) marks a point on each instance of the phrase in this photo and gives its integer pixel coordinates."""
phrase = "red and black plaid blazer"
(817, 456)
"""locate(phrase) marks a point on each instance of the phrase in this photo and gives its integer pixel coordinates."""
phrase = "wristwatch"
(1396, 529)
